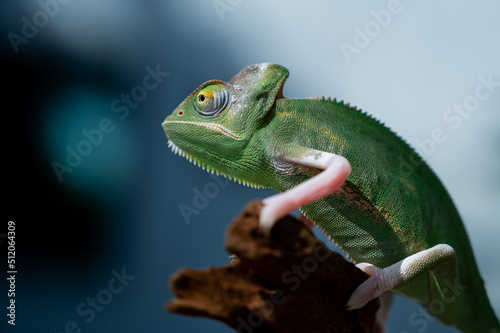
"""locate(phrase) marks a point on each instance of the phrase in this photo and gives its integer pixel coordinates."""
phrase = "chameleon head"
(216, 123)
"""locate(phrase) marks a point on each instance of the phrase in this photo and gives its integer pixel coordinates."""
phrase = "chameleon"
(348, 174)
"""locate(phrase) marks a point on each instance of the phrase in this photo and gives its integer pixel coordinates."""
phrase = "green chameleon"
(349, 175)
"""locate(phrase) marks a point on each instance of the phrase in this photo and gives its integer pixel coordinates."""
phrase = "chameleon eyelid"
(217, 105)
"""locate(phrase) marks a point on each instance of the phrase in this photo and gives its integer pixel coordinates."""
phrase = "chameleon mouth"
(178, 151)
(216, 127)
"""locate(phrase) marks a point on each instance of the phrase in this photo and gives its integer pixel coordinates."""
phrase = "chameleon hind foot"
(440, 257)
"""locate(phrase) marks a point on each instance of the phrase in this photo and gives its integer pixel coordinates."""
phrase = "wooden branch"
(287, 281)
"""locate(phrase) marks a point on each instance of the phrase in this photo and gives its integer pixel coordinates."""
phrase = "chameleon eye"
(211, 100)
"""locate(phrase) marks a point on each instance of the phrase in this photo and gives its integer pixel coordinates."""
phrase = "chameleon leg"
(439, 260)
(337, 169)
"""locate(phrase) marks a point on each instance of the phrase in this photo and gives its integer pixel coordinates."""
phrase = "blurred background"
(96, 194)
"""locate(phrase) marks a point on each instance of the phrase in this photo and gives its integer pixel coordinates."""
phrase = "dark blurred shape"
(57, 228)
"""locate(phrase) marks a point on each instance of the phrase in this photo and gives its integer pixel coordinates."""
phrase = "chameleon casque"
(343, 169)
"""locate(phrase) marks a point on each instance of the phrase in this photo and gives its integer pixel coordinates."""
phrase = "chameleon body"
(391, 206)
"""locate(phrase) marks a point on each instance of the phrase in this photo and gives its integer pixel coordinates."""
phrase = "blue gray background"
(118, 210)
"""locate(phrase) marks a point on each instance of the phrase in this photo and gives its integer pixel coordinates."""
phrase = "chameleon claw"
(368, 290)
(362, 295)
(266, 220)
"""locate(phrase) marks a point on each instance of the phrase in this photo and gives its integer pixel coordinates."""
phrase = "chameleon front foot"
(370, 289)
(272, 211)
(336, 170)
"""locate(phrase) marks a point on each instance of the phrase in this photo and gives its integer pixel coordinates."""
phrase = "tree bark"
(287, 281)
